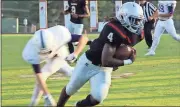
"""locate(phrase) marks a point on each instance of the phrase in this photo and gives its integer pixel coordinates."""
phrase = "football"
(123, 52)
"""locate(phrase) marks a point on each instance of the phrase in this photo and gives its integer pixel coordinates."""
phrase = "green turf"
(156, 81)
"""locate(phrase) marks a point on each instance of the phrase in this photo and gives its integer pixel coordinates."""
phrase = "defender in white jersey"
(49, 45)
(165, 22)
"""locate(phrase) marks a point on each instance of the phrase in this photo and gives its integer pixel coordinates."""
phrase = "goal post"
(118, 4)
(43, 22)
(66, 17)
(93, 15)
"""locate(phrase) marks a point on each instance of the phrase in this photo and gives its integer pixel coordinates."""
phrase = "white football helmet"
(131, 17)
(44, 42)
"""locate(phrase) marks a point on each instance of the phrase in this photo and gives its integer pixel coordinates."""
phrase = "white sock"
(36, 96)
(50, 98)
(46, 96)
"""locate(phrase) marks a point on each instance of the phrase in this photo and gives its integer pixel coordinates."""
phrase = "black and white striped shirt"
(148, 9)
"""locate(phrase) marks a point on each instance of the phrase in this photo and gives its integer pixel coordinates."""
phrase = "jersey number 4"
(110, 37)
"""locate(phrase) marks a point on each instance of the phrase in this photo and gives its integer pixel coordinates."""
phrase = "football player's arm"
(107, 58)
(171, 9)
(82, 43)
(155, 14)
(68, 10)
(155, 11)
(87, 13)
(111, 41)
(165, 15)
(82, 39)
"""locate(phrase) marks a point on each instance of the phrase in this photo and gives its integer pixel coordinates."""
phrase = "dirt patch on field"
(124, 75)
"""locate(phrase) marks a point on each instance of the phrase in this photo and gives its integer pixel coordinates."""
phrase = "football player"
(78, 10)
(165, 14)
(97, 63)
(50, 45)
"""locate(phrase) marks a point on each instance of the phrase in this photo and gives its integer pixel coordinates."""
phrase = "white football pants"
(99, 77)
(161, 26)
(75, 28)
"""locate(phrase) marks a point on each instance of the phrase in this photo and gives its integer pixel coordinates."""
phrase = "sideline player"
(165, 22)
(49, 45)
(78, 10)
(97, 63)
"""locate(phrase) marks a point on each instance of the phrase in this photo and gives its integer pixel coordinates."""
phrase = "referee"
(150, 14)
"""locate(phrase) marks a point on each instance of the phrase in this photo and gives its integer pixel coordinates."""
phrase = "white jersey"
(51, 39)
(163, 7)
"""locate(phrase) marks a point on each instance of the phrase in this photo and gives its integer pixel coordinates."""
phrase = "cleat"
(150, 53)
(49, 101)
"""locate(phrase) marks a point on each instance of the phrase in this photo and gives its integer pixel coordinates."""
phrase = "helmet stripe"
(42, 40)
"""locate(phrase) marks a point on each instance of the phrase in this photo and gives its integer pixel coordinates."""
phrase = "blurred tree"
(105, 9)
(18, 9)
(33, 16)
(30, 10)
(53, 12)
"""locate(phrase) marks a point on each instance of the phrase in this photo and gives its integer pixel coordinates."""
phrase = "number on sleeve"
(73, 9)
(110, 37)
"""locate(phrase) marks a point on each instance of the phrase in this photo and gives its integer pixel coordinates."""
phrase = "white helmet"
(131, 17)
(44, 41)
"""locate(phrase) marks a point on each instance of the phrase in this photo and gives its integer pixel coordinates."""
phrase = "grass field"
(156, 81)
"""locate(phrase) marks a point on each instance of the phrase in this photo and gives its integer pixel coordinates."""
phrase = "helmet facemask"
(44, 43)
(132, 23)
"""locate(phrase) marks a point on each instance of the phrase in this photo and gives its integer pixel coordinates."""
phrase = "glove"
(131, 59)
(128, 62)
(71, 58)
